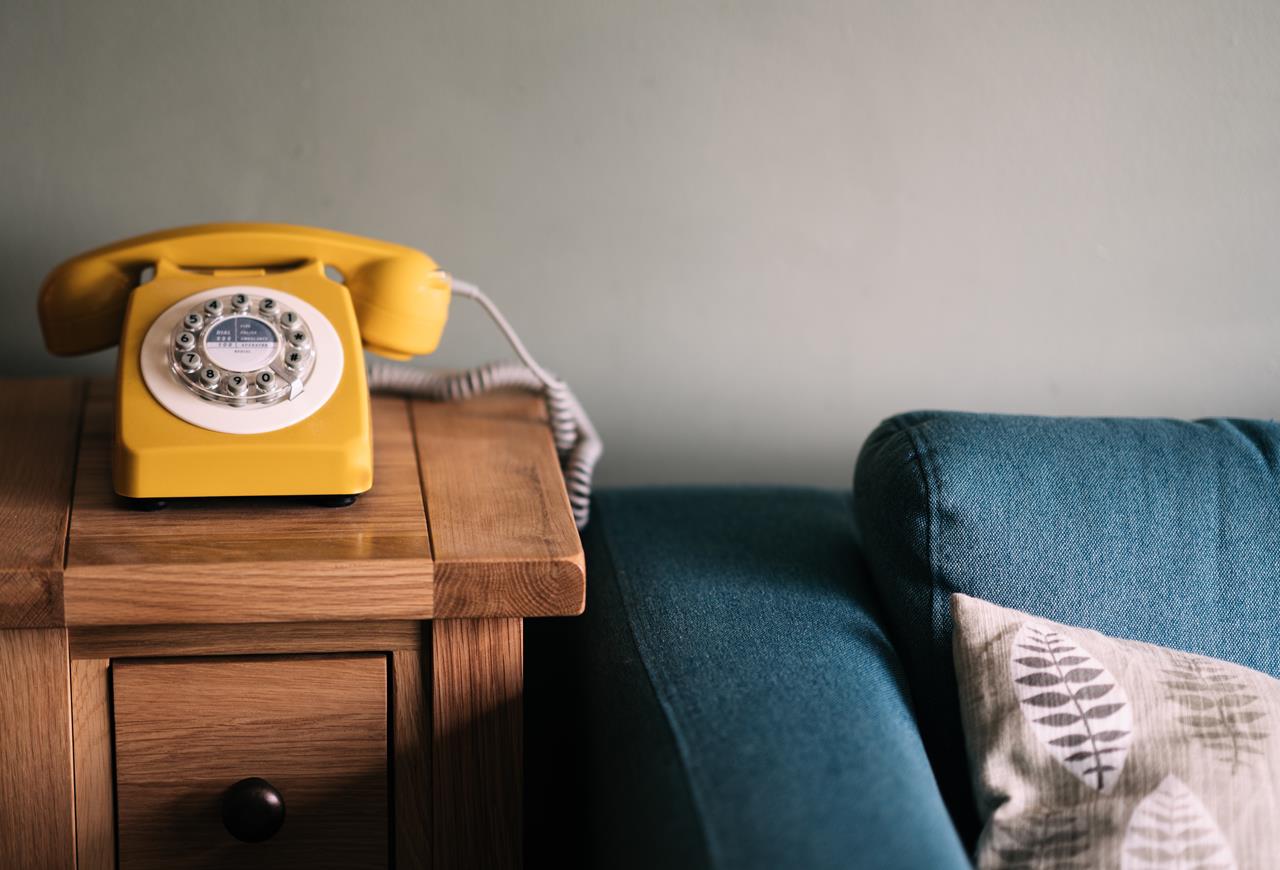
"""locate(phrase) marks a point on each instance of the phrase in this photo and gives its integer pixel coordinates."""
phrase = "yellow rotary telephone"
(240, 369)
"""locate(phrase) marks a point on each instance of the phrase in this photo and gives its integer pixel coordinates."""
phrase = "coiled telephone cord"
(576, 440)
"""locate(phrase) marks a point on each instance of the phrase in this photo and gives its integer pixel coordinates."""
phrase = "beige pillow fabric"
(1089, 751)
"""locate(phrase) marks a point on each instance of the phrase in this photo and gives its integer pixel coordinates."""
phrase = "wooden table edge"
(514, 586)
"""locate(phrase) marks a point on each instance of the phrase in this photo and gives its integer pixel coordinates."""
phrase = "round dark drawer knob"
(252, 810)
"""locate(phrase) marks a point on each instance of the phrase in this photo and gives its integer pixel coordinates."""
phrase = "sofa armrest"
(738, 704)
(1163, 531)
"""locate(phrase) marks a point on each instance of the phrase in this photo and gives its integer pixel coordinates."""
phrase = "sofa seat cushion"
(1162, 531)
(743, 706)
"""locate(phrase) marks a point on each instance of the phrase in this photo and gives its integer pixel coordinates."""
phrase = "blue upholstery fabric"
(1157, 530)
(744, 708)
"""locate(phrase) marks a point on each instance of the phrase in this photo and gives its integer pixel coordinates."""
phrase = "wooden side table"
(365, 664)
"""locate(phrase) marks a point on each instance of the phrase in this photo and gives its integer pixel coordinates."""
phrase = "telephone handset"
(400, 295)
(240, 370)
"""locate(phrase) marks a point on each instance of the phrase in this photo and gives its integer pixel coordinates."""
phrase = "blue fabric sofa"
(763, 676)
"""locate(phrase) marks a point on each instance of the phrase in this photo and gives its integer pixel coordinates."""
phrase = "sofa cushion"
(1091, 751)
(742, 706)
(1158, 530)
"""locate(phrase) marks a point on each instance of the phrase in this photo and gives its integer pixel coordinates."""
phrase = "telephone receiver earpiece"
(400, 295)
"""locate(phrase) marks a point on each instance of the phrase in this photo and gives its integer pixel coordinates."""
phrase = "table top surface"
(468, 517)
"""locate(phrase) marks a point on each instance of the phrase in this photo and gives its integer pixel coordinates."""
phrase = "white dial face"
(242, 360)
(244, 350)
(241, 344)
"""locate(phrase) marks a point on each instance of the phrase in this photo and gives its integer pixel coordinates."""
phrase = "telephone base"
(159, 454)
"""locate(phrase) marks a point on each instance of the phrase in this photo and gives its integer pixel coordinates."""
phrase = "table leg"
(37, 822)
(477, 753)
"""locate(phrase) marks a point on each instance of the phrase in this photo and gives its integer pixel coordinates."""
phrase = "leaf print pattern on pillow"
(1038, 839)
(1191, 747)
(1219, 708)
(1171, 829)
(1074, 705)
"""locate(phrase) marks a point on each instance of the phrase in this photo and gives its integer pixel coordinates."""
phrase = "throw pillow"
(1088, 751)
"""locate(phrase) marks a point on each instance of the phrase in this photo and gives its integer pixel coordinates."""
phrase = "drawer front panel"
(314, 727)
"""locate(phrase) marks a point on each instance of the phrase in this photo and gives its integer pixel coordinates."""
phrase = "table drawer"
(313, 727)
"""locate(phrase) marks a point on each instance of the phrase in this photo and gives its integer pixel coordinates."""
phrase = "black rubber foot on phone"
(143, 504)
(334, 501)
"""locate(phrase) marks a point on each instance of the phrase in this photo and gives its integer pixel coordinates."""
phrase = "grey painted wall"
(744, 232)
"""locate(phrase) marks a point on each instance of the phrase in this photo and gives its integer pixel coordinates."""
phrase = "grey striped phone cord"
(576, 440)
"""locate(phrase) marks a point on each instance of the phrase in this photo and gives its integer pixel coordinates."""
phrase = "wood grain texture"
(149, 641)
(315, 727)
(37, 814)
(249, 560)
(91, 737)
(411, 738)
(41, 423)
(477, 682)
(501, 529)
(502, 532)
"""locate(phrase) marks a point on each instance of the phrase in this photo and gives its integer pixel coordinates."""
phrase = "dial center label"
(241, 344)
